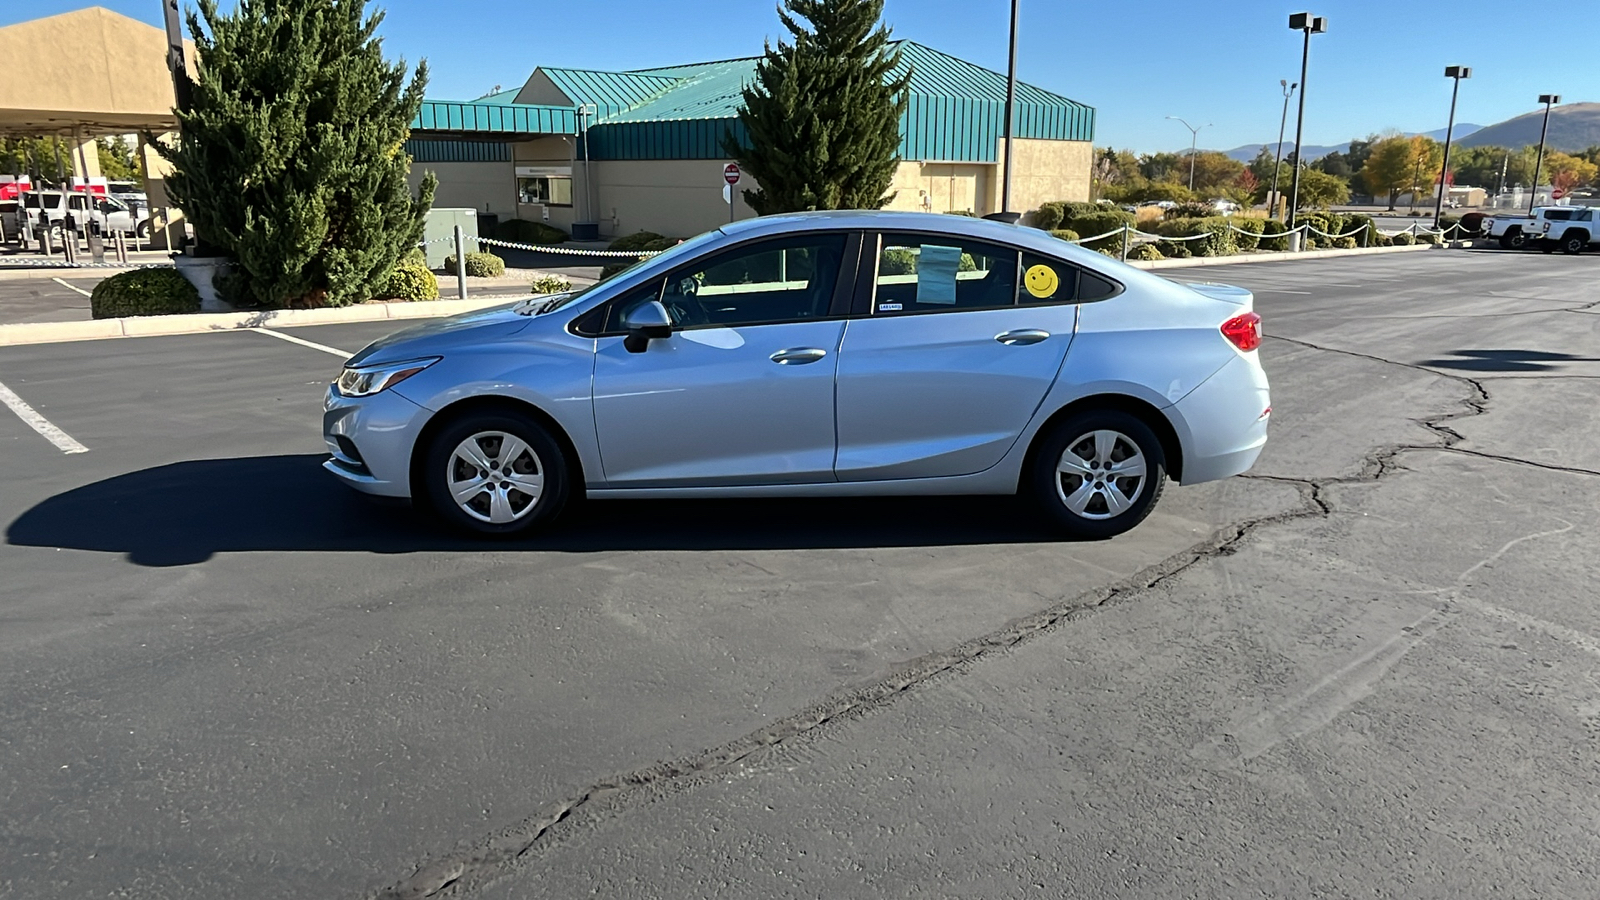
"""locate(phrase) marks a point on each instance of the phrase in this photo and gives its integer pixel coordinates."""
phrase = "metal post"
(1011, 100)
(1126, 228)
(1548, 100)
(1458, 73)
(1277, 152)
(1299, 128)
(69, 247)
(461, 264)
(47, 239)
(121, 247)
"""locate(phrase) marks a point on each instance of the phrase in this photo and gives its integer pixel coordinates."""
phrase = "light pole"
(1011, 100)
(1194, 143)
(1309, 24)
(1458, 73)
(1548, 100)
(1277, 152)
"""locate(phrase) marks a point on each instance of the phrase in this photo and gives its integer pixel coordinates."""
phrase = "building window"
(549, 186)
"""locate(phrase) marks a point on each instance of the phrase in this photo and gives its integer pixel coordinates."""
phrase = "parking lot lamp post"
(1277, 152)
(1194, 142)
(1011, 105)
(1548, 100)
(1309, 24)
(1458, 73)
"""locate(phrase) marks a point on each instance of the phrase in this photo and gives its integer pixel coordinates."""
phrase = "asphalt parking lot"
(1372, 665)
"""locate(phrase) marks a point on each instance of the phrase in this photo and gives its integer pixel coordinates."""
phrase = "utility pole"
(1309, 24)
(1458, 73)
(1277, 152)
(1011, 106)
(1194, 143)
(1548, 100)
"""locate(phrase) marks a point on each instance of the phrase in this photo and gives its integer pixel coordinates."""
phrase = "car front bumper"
(371, 439)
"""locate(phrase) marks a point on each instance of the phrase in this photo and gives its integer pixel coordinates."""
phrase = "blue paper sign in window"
(936, 274)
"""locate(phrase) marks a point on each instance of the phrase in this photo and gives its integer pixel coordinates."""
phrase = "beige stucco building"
(644, 150)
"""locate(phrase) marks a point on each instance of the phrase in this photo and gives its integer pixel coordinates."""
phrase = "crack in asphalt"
(493, 857)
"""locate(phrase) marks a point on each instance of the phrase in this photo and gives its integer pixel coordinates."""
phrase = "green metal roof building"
(643, 149)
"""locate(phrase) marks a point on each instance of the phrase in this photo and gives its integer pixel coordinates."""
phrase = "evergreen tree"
(290, 156)
(823, 115)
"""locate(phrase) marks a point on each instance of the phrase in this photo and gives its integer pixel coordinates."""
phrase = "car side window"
(770, 282)
(1046, 280)
(927, 273)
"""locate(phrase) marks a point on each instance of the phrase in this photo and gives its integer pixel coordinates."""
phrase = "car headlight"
(364, 381)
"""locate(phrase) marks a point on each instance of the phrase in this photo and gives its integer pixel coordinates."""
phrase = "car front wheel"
(1099, 473)
(496, 474)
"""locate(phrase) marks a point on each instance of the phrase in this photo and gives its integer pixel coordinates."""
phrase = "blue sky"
(1379, 66)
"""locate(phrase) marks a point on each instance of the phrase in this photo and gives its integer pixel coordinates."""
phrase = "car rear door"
(942, 366)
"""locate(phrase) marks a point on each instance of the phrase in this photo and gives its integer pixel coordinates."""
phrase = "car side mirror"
(644, 322)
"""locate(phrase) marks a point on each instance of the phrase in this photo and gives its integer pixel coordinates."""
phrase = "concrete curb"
(201, 323)
(1271, 257)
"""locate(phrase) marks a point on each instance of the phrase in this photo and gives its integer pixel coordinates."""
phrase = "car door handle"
(798, 356)
(1021, 337)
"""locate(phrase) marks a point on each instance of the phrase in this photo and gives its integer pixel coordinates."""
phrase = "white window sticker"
(889, 307)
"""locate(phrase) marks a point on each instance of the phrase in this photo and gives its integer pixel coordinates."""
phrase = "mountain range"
(1247, 152)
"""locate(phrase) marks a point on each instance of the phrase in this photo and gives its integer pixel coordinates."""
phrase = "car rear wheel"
(1098, 473)
(496, 474)
(1573, 244)
(1513, 239)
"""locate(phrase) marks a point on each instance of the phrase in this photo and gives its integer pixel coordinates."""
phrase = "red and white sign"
(1557, 194)
(730, 173)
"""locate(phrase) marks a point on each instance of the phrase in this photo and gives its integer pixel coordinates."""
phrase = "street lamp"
(1309, 24)
(1277, 152)
(1458, 73)
(1548, 100)
(1011, 103)
(1194, 142)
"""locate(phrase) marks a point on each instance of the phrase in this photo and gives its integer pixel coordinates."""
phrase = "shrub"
(144, 292)
(1428, 238)
(1192, 209)
(1048, 216)
(1345, 243)
(479, 265)
(1309, 242)
(1403, 239)
(1379, 239)
(522, 231)
(550, 284)
(1273, 236)
(1352, 221)
(1065, 234)
(898, 261)
(1099, 222)
(1471, 224)
(409, 282)
(1174, 249)
(635, 241)
(1112, 252)
(1251, 237)
(414, 257)
(1145, 252)
(1219, 240)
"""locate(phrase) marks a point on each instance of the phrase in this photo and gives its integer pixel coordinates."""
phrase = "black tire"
(1513, 239)
(544, 458)
(1051, 488)
(1573, 244)
(142, 231)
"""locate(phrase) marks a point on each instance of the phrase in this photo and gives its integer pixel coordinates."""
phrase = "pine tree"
(823, 115)
(290, 158)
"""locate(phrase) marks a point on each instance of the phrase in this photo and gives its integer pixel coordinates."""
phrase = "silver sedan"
(818, 354)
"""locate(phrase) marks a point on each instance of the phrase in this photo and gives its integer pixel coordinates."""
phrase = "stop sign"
(1557, 194)
(730, 173)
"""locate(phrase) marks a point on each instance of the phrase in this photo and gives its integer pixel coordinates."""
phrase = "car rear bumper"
(1227, 419)
(370, 441)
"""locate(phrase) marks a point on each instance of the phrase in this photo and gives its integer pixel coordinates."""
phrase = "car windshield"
(538, 306)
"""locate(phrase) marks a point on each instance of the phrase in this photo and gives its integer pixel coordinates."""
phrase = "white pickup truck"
(109, 213)
(1569, 229)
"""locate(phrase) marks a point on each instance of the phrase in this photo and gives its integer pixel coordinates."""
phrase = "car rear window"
(1046, 280)
(1559, 215)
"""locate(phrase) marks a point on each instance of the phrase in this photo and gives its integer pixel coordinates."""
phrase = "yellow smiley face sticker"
(1041, 282)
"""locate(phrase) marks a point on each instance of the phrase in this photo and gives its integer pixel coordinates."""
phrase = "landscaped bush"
(410, 282)
(143, 292)
(522, 231)
(1145, 252)
(1219, 240)
(641, 242)
(1471, 224)
(1273, 236)
(1429, 238)
(1174, 249)
(1251, 239)
(1193, 209)
(1065, 234)
(1379, 239)
(1352, 221)
(1098, 222)
(635, 241)
(479, 265)
(549, 284)
(1048, 216)
(1345, 243)
(1403, 239)
(414, 257)
(898, 261)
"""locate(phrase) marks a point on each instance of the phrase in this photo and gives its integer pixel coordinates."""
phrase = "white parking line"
(70, 286)
(28, 414)
(342, 354)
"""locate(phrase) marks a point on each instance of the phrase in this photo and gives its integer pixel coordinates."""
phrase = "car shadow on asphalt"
(1505, 360)
(184, 513)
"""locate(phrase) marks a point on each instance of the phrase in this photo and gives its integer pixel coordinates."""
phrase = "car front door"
(950, 355)
(742, 391)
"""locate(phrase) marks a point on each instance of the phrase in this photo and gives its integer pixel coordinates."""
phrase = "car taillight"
(1244, 331)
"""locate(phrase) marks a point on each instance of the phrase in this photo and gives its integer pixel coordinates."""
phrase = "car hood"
(435, 337)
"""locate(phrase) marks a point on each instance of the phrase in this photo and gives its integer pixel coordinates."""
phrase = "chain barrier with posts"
(1304, 229)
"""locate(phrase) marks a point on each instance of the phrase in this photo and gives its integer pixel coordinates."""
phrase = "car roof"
(888, 220)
